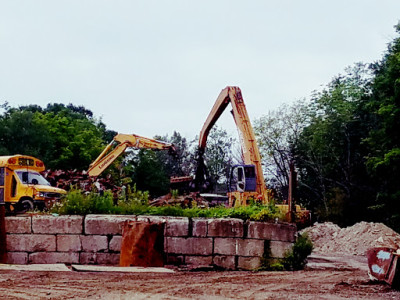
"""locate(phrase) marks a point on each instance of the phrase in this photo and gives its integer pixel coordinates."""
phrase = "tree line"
(344, 142)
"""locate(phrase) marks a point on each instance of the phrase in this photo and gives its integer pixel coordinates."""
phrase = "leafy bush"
(296, 258)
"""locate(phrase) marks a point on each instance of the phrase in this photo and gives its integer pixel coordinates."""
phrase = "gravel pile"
(329, 238)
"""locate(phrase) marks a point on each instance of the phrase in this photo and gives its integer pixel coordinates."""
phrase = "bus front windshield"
(31, 177)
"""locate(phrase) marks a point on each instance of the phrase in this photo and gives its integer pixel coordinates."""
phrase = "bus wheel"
(25, 205)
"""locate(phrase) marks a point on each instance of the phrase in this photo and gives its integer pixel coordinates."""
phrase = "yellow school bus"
(22, 187)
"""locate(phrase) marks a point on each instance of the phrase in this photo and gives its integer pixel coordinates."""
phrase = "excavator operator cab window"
(243, 178)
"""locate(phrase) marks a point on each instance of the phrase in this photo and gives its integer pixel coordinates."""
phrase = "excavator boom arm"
(123, 141)
(250, 151)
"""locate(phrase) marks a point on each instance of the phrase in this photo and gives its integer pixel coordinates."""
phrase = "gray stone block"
(94, 243)
(278, 248)
(190, 246)
(19, 224)
(249, 263)
(108, 259)
(68, 243)
(17, 258)
(225, 262)
(199, 227)
(115, 243)
(31, 242)
(177, 226)
(48, 224)
(152, 219)
(53, 257)
(105, 224)
(175, 259)
(86, 258)
(247, 247)
(199, 260)
(225, 246)
(225, 228)
(272, 231)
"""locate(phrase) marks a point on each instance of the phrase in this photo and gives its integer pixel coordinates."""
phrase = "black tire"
(25, 205)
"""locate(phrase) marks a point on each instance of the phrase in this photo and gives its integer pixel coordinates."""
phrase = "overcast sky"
(154, 67)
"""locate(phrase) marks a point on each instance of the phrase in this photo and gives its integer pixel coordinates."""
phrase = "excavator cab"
(242, 179)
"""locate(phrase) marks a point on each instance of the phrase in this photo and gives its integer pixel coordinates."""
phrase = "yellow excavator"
(119, 144)
(246, 181)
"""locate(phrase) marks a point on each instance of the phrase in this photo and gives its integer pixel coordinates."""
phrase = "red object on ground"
(142, 244)
(383, 265)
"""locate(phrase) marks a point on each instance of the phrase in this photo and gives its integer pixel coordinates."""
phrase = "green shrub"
(296, 258)
(135, 202)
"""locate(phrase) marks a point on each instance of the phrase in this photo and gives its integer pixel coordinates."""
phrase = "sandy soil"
(325, 280)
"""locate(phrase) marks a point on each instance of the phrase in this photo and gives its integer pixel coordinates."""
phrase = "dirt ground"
(325, 278)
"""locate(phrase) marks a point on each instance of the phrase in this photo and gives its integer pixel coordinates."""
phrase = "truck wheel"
(25, 205)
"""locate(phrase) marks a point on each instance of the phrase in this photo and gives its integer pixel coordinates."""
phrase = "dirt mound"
(329, 238)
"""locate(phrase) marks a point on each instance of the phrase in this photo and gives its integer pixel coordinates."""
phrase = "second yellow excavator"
(246, 181)
(119, 144)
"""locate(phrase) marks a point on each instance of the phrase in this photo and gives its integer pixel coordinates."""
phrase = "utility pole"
(292, 188)
(3, 241)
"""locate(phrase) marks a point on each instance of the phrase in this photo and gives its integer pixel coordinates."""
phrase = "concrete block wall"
(96, 239)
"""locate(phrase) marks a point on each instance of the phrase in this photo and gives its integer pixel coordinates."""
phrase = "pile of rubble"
(328, 238)
(67, 179)
(187, 201)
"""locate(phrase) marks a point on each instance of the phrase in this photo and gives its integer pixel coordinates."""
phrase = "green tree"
(384, 138)
(277, 133)
(330, 152)
(64, 137)
(179, 163)
(149, 173)
(219, 156)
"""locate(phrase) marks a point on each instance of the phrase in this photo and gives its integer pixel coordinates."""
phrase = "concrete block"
(249, 247)
(108, 259)
(115, 243)
(68, 243)
(53, 257)
(249, 263)
(152, 219)
(278, 248)
(225, 262)
(94, 243)
(199, 227)
(226, 246)
(225, 228)
(49, 224)
(172, 259)
(177, 226)
(19, 224)
(31, 242)
(199, 260)
(190, 246)
(272, 231)
(87, 258)
(17, 258)
(242, 247)
(105, 224)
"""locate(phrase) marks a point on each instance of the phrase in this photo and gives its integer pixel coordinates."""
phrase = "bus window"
(13, 187)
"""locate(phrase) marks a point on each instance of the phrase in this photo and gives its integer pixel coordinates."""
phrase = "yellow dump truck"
(22, 187)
